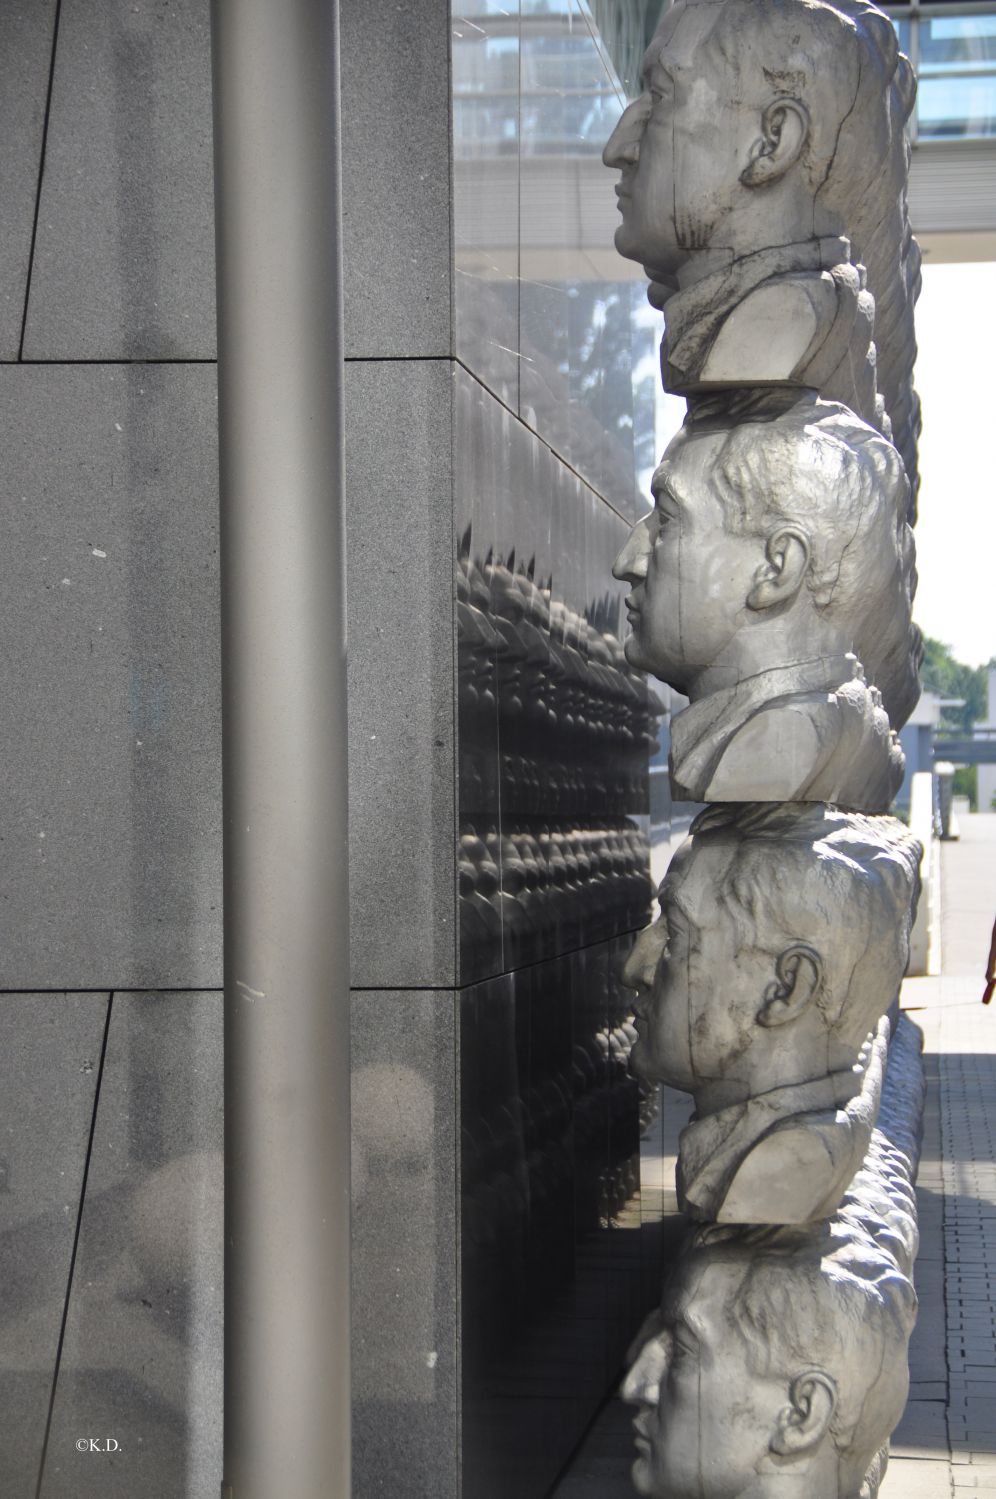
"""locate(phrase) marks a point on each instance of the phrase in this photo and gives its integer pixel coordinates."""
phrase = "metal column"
(276, 109)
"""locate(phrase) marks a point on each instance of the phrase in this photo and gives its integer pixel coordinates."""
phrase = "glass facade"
(558, 424)
(953, 50)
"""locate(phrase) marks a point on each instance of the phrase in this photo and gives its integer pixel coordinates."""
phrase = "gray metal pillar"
(286, 859)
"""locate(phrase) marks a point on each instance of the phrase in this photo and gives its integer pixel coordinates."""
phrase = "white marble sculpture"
(777, 1365)
(763, 170)
(776, 563)
(781, 943)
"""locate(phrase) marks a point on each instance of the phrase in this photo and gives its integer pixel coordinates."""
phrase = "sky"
(956, 532)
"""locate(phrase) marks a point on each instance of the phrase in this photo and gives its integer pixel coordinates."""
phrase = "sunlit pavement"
(946, 1444)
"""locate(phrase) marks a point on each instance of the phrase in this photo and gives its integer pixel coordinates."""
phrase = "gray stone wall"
(110, 880)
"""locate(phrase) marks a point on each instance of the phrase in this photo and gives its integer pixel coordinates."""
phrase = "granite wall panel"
(50, 1046)
(405, 1301)
(142, 1353)
(124, 254)
(397, 261)
(110, 734)
(401, 673)
(26, 31)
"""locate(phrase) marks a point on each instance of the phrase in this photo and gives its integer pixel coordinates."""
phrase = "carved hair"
(835, 1297)
(842, 61)
(841, 883)
(818, 466)
(868, 193)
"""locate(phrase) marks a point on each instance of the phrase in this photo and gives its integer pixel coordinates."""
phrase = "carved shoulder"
(769, 333)
(794, 1174)
(777, 751)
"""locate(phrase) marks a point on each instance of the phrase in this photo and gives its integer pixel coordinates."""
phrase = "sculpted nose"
(640, 967)
(631, 564)
(634, 972)
(622, 149)
(642, 1385)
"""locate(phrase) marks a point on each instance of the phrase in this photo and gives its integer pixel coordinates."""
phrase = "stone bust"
(776, 559)
(781, 943)
(776, 1367)
(763, 169)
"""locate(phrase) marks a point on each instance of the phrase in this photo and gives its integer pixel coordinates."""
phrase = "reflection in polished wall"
(560, 1248)
(555, 728)
(547, 316)
(556, 425)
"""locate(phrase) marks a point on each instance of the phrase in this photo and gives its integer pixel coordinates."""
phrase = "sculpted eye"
(683, 1350)
(662, 519)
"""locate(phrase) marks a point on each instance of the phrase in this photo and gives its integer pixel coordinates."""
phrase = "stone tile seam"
(76, 1240)
(69, 363)
(455, 360)
(41, 174)
(626, 520)
(113, 989)
(488, 978)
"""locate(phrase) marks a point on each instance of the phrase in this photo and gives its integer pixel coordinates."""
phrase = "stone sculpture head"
(774, 541)
(761, 123)
(783, 937)
(776, 1367)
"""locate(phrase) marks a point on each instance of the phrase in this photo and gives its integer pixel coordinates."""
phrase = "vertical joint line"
(41, 177)
(76, 1241)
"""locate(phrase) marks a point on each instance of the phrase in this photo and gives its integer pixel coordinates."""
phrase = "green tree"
(966, 783)
(942, 674)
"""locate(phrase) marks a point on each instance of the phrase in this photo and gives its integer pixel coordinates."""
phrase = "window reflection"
(955, 59)
(547, 313)
(957, 95)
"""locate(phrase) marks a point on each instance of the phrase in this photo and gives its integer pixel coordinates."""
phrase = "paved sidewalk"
(945, 1447)
(946, 1444)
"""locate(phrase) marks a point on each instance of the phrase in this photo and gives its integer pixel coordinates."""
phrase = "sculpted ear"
(783, 571)
(784, 133)
(798, 981)
(804, 1423)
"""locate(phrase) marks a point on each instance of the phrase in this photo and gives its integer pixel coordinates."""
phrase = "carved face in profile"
(706, 1419)
(674, 145)
(690, 575)
(782, 938)
(687, 1035)
(774, 542)
(721, 115)
(740, 138)
(777, 1362)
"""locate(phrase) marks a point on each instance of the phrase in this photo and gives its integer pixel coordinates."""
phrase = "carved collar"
(712, 1149)
(694, 314)
(700, 732)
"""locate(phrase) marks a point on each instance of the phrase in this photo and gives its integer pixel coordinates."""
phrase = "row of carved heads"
(763, 190)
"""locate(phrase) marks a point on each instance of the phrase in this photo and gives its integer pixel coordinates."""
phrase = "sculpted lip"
(642, 1439)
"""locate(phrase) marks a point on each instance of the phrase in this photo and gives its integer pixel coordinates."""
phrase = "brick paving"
(945, 1447)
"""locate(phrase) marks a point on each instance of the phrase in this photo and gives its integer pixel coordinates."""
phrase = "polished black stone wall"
(560, 1253)
(560, 1229)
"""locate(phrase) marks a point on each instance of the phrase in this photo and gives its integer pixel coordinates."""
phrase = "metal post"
(276, 108)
